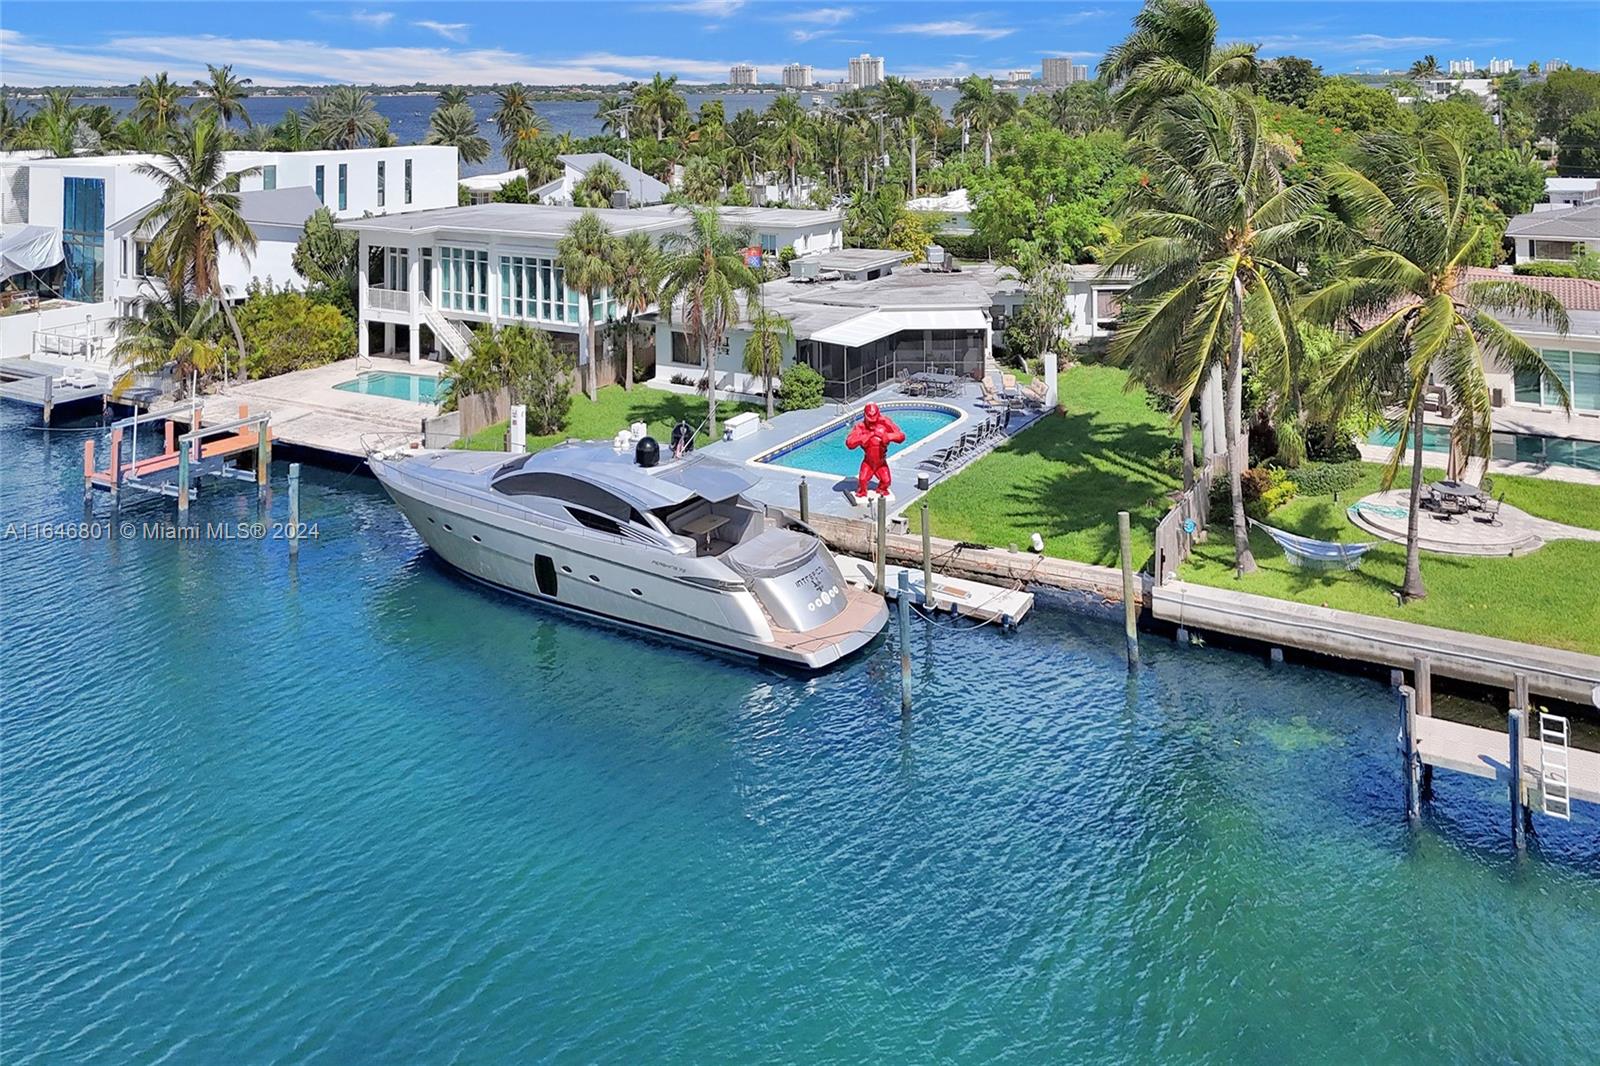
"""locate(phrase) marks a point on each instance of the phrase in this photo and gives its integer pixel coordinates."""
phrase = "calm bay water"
(408, 114)
(358, 810)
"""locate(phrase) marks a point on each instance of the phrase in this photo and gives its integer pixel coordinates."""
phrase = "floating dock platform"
(970, 599)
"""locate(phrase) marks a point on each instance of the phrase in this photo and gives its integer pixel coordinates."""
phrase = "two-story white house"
(426, 277)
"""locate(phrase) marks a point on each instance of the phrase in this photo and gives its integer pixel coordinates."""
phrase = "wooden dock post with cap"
(903, 605)
(116, 468)
(1130, 598)
(927, 561)
(263, 455)
(1519, 840)
(805, 500)
(882, 546)
(1422, 682)
(1411, 759)
(294, 510)
(88, 472)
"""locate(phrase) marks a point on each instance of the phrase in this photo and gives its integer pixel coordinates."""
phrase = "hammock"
(1308, 554)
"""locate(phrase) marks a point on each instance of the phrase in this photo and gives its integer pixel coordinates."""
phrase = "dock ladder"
(1554, 740)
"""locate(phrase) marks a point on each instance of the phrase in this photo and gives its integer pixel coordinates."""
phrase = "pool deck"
(831, 494)
(309, 412)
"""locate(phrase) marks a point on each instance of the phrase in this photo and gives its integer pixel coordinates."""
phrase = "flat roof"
(853, 259)
(552, 220)
(779, 217)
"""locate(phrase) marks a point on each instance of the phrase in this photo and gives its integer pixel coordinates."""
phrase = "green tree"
(1290, 80)
(286, 331)
(347, 118)
(172, 330)
(1355, 106)
(586, 255)
(451, 95)
(1578, 145)
(637, 278)
(1426, 67)
(325, 256)
(196, 215)
(457, 125)
(1079, 108)
(222, 95)
(658, 103)
(1565, 95)
(1048, 187)
(763, 350)
(1171, 52)
(982, 107)
(1408, 198)
(158, 102)
(543, 383)
(704, 269)
(598, 184)
(701, 183)
(514, 191)
(1510, 179)
(788, 139)
(538, 156)
(1216, 239)
(909, 109)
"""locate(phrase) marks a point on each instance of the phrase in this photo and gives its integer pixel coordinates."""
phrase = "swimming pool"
(418, 388)
(1511, 447)
(824, 452)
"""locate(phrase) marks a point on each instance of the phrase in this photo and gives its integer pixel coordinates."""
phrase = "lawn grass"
(1068, 475)
(1551, 597)
(616, 408)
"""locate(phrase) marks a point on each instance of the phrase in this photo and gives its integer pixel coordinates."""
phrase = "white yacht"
(672, 547)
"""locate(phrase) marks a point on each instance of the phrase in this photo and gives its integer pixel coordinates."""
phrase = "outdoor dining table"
(934, 382)
(1460, 490)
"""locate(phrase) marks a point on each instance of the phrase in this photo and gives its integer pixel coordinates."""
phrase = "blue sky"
(613, 40)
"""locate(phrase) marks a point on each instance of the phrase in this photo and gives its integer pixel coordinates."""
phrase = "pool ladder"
(1554, 740)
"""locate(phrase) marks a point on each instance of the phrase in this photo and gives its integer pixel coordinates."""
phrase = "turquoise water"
(1513, 447)
(828, 455)
(418, 388)
(360, 811)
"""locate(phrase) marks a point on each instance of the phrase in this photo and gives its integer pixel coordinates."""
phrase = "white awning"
(875, 325)
(25, 249)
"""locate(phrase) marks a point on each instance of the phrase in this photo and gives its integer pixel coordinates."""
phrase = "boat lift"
(184, 460)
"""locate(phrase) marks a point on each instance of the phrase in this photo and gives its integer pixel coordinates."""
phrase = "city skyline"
(700, 41)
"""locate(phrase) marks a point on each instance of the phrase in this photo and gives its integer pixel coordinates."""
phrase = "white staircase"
(451, 335)
(1554, 740)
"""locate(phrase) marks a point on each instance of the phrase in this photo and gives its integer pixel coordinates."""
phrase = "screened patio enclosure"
(852, 371)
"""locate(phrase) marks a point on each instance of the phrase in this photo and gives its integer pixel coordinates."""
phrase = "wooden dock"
(970, 599)
(1470, 749)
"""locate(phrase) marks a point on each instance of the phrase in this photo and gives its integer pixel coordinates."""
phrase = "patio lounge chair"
(1035, 392)
(990, 397)
(1489, 511)
(1304, 553)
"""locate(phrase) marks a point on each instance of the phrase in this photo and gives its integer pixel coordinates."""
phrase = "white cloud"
(717, 9)
(373, 20)
(953, 28)
(820, 16)
(1361, 42)
(450, 31)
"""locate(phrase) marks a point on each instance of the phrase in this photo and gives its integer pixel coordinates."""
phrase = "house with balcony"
(428, 277)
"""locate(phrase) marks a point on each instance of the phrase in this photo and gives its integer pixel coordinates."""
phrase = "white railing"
(89, 341)
(388, 299)
(451, 335)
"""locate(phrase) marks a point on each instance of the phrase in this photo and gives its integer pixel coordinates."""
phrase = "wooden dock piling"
(183, 481)
(49, 398)
(294, 510)
(88, 472)
(1422, 682)
(805, 500)
(1130, 598)
(116, 468)
(1519, 840)
(1410, 757)
(903, 605)
(881, 548)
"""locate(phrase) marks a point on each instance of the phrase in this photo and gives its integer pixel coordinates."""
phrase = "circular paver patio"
(1516, 532)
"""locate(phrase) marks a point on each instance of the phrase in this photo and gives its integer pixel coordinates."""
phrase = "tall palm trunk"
(913, 165)
(627, 378)
(1244, 561)
(710, 358)
(586, 343)
(1413, 588)
(1188, 446)
(769, 397)
(988, 145)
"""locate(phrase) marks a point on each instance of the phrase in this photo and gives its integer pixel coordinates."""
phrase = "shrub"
(1265, 489)
(522, 361)
(1325, 479)
(514, 191)
(1542, 269)
(285, 331)
(802, 388)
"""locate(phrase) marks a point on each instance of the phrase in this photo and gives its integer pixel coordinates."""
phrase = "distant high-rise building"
(1463, 66)
(742, 74)
(1059, 71)
(798, 76)
(1502, 66)
(866, 71)
(1557, 64)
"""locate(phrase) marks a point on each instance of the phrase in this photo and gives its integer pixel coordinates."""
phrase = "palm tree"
(174, 329)
(637, 263)
(293, 133)
(12, 126)
(1216, 239)
(538, 156)
(1426, 67)
(986, 109)
(1079, 109)
(1173, 50)
(586, 257)
(908, 108)
(456, 125)
(347, 117)
(701, 184)
(196, 215)
(704, 267)
(1410, 199)
(158, 102)
(788, 138)
(763, 350)
(222, 95)
(598, 185)
(451, 95)
(513, 110)
(659, 103)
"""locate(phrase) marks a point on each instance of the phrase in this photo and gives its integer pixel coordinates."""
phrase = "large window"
(380, 183)
(321, 183)
(269, 176)
(1578, 371)
(83, 238)
(769, 244)
(408, 181)
(1561, 250)
(534, 288)
(464, 279)
(344, 186)
(397, 269)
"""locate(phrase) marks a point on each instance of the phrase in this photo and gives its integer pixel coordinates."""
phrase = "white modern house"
(79, 219)
(1569, 192)
(1555, 235)
(428, 276)
(642, 190)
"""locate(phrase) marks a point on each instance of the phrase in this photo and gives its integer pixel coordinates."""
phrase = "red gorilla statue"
(873, 435)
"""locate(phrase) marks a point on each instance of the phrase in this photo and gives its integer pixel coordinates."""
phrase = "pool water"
(358, 810)
(1512, 447)
(826, 453)
(418, 388)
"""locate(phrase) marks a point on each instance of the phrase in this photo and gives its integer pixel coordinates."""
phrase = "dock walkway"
(1486, 753)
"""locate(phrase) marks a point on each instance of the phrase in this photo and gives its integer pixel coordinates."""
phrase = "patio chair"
(1034, 394)
(1489, 511)
(1448, 507)
(990, 397)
